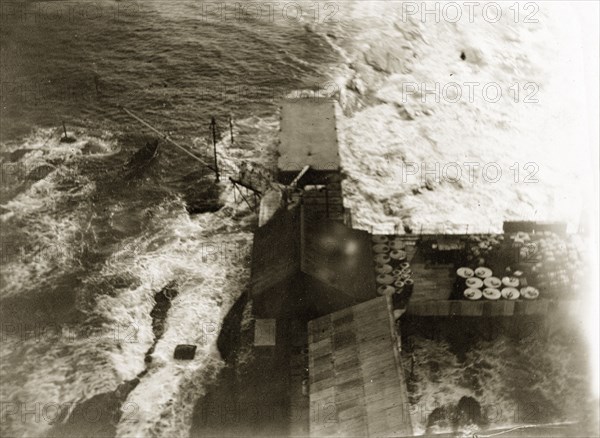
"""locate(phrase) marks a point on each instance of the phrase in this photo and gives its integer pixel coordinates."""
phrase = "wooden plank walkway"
(487, 308)
(357, 385)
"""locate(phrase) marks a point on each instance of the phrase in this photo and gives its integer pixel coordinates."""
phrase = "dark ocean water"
(71, 210)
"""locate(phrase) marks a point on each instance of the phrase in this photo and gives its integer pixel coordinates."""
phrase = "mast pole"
(213, 125)
(166, 137)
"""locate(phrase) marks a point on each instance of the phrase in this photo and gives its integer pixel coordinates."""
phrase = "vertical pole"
(64, 128)
(213, 125)
(231, 127)
(326, 202)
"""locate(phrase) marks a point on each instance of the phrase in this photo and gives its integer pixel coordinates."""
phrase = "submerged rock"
(40, 172)
(440, 418)
(67, 139)
(92, 147)
(159, 313)
(468, 412)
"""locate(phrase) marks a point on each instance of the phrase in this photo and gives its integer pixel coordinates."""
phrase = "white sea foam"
(55, 234)
(209, 271)
(391, 126)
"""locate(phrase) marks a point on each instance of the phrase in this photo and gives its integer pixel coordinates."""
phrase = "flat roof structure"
(357, 385)
(308, 135)
(300, 260)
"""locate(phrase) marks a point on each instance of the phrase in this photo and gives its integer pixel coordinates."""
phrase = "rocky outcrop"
(456, 417)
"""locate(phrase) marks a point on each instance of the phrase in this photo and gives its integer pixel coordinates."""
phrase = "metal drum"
(399, 284)
(386, 279)
(483, 272)
(474, 283)
(398, 255)
(510, 293)
(491, 294)
(472, 294)
(383, 269)
(510, 281)
(382, 259)
(404, 265)
(381, 248)
(530, 293)
(397, 243)
(398, 299)
(492, 282)
(465, 272)
(378, 238)
(409, 286)
(397, 272)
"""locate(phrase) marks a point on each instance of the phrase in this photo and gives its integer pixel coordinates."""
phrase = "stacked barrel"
(555, 264)
(393, 273)
(480, 248)
(481, 283)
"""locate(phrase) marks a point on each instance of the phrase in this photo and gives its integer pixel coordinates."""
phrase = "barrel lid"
(465, 272)
(483, 272)
(381, 248)
(493, 282)
(510, 293)
(530, 293)
(474, 282)
(381, 259)
(378, 238)
(510, 281)
(385, 279)
(398, 254)
(383, 269)
(491, 293)
(472, 294)
(385, 290)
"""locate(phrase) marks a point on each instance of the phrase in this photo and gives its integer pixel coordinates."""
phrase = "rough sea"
(89, 238)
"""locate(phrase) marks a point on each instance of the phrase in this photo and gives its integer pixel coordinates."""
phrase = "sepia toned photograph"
(313, 218)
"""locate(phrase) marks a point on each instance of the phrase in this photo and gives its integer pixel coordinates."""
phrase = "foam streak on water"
(208, 284)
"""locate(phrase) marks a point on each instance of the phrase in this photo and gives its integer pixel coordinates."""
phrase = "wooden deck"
(357, 384)
(490, 308)
(308, 136)
(432, 282)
